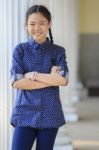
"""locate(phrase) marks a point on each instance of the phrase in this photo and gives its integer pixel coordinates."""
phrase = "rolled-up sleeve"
(62, 62)
(17, 68)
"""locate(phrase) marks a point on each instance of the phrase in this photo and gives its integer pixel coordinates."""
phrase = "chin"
(38, 39)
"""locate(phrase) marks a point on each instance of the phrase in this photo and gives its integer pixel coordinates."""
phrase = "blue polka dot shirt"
(38, 108)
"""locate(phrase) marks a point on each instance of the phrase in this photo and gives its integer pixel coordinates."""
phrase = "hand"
(55, 69)
(28, 75)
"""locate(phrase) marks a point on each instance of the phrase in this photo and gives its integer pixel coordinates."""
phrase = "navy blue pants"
(24, 138)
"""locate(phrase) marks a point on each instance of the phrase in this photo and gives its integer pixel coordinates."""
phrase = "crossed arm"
(42, 80)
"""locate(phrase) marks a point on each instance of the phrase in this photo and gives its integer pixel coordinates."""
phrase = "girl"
(38, 69)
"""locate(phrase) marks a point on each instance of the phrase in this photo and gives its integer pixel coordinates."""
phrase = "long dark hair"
(44, 11)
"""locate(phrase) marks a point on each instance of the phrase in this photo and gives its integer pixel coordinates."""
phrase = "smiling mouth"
(37, 33)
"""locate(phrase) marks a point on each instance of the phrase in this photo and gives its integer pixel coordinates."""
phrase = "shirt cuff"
(62, 74)
(16, 77)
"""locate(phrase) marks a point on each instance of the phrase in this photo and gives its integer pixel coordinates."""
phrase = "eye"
(42, 23)
(31, 24)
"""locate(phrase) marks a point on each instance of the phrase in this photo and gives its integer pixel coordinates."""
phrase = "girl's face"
(38, 26)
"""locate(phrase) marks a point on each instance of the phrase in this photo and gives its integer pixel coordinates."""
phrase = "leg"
(46, 139)
(23, 138)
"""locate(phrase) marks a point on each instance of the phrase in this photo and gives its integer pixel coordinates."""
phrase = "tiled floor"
(85, 132)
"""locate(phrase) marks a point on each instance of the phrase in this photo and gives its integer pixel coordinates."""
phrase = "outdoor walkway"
(85, 132)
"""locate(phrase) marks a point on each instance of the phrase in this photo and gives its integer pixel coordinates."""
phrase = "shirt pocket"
(32, 63)
(45, 68)
(46, 64)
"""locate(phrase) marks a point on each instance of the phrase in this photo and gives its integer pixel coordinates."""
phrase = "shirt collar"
(37, 46)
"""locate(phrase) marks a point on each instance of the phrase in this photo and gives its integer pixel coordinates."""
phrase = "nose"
(37, 27)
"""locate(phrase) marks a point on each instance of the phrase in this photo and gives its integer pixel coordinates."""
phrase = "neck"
(40, 41)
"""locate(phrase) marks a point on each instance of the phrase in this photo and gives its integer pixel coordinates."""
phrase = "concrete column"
(11, 32)
(63, 139)
(5, 91)
(70, 94)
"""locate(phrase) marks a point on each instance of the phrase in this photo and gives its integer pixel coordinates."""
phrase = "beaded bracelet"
(33, 76)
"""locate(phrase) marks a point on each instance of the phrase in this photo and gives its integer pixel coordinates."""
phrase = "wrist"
(33, 75)
(36, 76)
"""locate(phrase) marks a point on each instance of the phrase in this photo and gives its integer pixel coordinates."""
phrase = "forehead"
(35, 17)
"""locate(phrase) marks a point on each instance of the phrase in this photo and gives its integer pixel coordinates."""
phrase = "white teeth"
(38, 33)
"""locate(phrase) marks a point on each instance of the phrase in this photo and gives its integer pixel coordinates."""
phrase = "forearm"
(27, 84)
(51, 79)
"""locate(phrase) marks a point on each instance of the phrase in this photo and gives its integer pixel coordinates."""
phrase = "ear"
(26, 27)
(50, 23)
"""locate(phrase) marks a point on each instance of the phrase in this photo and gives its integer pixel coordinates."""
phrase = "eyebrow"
(40, 22)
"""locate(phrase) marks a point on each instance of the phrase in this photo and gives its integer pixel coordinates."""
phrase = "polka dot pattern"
(40, 108)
